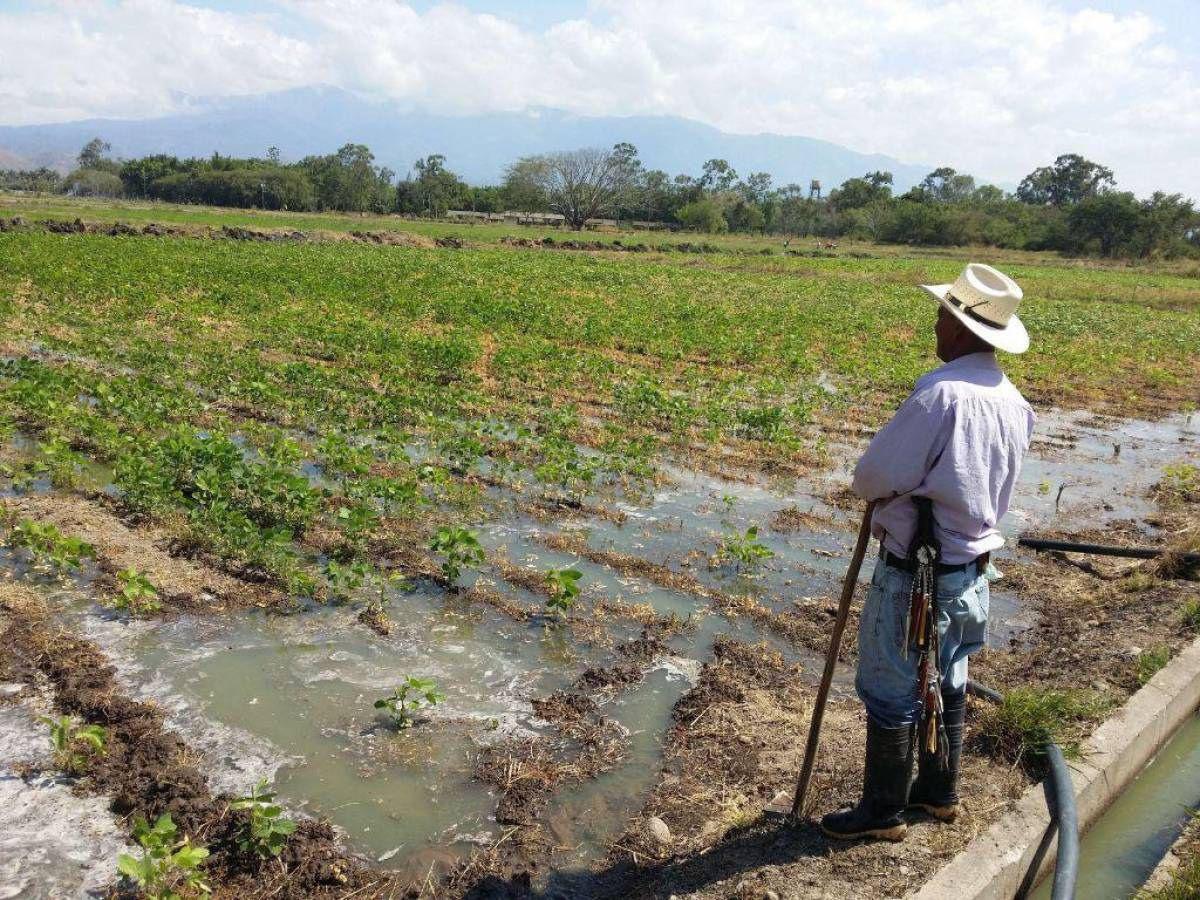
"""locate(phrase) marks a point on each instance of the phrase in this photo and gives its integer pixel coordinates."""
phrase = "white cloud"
(992, 88)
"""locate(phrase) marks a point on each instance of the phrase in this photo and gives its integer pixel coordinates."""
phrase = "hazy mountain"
(321, 119)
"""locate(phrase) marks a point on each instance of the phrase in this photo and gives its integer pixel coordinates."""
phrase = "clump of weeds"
(73, 744)
(268, 829)
(1190, 614)
(1029, 719)
(1180, 484)
(412, 695)
(1150, 661)
(169, 867)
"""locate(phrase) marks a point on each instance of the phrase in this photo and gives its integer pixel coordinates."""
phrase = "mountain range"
(313, 120)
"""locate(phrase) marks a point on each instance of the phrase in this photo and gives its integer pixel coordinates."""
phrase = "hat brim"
(1013, 338)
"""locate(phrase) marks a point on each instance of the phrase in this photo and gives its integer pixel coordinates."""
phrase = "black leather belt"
(979, 563)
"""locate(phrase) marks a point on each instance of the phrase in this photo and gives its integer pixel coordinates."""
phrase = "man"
(957, 440)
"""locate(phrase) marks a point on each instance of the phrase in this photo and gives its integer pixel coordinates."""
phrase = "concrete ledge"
(993, 865)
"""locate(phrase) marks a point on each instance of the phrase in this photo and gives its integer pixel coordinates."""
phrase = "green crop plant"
(135, 593)
(744, 549)
(48, 548)
(59, 462)
(1151, 661)
(357, 522)
(564, 590)
(346, 578)
(169, 867)
(73, 744)
(343, 460)
(459, 546)
(267, 830)
(412, 695)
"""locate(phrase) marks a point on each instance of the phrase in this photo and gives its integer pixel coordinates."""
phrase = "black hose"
(1103, 550)
(1064, 818)
(1066, 866)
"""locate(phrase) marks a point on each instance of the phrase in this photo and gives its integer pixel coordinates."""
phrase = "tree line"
(1072, 205)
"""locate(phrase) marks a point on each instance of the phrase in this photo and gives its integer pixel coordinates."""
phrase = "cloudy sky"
(994, 87)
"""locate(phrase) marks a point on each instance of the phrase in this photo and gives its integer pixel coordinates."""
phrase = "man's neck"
(971, 351)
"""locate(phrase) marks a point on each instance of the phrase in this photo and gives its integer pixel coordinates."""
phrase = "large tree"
(945, 185)
(434, 190)
(855, 193)
(578, 184)
(1068, 181)
(93, 154)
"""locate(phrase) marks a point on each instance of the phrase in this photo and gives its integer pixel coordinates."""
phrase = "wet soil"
(148, 770)
(527, 772)
(183, 584)
(736, 743)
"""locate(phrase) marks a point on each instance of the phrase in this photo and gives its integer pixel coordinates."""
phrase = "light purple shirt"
(958, 439)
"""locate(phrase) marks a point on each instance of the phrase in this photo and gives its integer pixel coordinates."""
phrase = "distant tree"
(1106, 222)
(858, 192)
(703, 215)
(755, 187)
(1068, 181)
(93, 154)
(274, 157)
(687, 189)
(987, 195)
(945, 185)
(92, 183)
(348, 180)
(138, 174)
(524, 185)
(434, 190)
(744, 216)
(37, 180)
(578, 184)
(656, 197)
(717, 176)
(1168, 226)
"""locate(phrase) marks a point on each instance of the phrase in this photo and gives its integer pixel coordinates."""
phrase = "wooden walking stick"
(835, 643)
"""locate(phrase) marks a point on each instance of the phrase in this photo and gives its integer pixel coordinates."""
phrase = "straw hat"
(985, 300)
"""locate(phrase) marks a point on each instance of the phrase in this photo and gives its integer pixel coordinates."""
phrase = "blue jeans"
(886, 680)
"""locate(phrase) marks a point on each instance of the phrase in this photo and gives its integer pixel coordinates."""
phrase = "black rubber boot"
(885, 788)
(936, 789)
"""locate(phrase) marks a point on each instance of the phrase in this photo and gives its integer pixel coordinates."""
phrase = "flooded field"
(289, 698)
(511, 569)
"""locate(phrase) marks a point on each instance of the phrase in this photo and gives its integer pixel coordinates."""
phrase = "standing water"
(1118, 853)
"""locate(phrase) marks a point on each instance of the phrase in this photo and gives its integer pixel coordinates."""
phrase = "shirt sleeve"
(905, 449)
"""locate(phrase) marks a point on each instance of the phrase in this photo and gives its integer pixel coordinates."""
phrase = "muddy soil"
(527, 772)
(737, 742)
(183, 584)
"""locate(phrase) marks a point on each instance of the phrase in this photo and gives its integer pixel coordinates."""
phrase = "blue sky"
(994, 87)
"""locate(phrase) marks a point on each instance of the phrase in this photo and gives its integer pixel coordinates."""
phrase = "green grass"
(1191, 615)
(1029, 719)
(1184, 883)
(1151, 661)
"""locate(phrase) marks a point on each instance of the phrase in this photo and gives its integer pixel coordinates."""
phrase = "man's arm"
(905, 449)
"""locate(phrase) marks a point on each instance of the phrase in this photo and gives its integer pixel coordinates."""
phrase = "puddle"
(53, 843)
